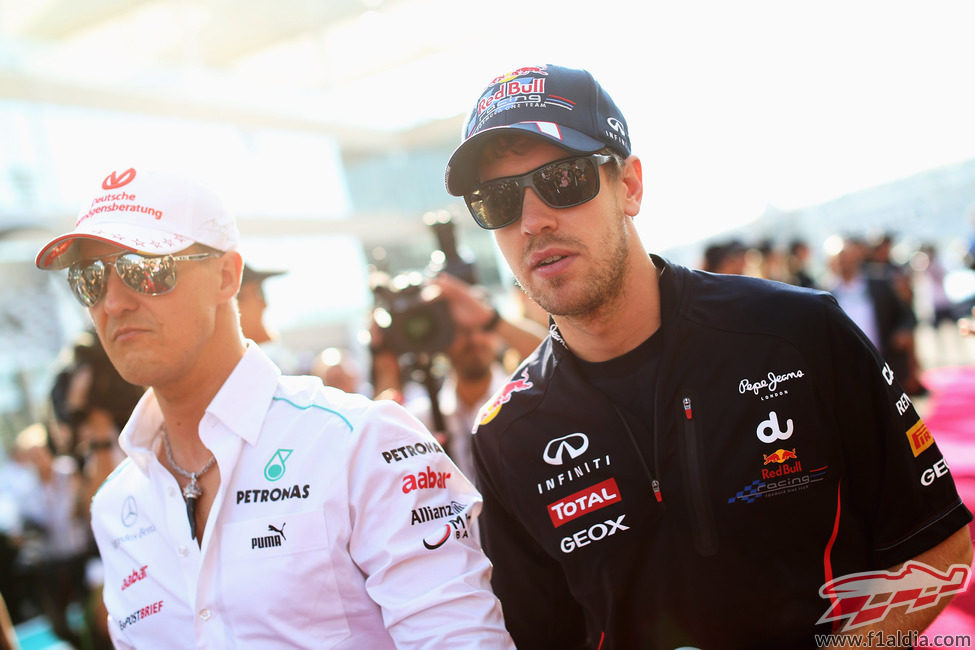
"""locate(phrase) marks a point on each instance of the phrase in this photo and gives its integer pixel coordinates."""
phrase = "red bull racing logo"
(492, 408)
(780, 456)
(786, 479)
(527, 88)
(864, 598)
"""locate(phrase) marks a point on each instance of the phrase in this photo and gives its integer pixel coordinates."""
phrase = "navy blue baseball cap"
(565, 106)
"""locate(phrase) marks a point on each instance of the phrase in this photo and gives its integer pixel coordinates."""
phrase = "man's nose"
(117, 296)
(536, 216)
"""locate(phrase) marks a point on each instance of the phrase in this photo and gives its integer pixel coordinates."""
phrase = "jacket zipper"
(654, 483)
(701, 524)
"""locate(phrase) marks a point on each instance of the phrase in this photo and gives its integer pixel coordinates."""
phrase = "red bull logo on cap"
(492, 408)
(520, 72)
(514, 88)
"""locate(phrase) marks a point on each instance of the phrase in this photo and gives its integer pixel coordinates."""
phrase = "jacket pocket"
(701, 516)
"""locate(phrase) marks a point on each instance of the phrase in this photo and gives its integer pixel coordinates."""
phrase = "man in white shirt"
(255, 510)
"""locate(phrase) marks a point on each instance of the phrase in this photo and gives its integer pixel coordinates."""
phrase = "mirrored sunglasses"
(149, 275)
(564, 183)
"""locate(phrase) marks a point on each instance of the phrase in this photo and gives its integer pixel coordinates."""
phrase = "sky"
(737, 106)
(733, 107)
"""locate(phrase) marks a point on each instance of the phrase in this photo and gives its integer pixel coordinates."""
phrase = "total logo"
(568, 447)
(425, 480)
(593, 498)
(595, 533)
(769, 430)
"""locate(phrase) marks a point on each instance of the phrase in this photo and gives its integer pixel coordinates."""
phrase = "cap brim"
(249, 275)
(62, 251)
(462, 166)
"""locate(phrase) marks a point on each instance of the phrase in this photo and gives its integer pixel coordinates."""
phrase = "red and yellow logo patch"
(920, 438)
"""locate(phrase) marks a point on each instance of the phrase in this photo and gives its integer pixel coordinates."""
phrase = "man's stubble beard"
(604, 284)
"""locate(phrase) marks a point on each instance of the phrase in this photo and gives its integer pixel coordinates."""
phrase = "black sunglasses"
(564, 183)
(152, 276)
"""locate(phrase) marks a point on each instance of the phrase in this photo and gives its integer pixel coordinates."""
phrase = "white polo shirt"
(339, 523)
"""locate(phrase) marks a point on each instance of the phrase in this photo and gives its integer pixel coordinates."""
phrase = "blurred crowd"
(891, 297)
(48, 563)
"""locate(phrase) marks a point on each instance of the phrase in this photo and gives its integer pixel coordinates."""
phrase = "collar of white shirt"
(240, 405)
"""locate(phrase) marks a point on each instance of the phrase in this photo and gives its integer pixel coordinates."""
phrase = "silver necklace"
(192, 491)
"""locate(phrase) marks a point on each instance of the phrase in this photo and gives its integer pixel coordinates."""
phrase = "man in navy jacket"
(688, 459)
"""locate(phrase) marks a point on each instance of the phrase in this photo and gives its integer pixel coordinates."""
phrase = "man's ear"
(632, 180)
(231, 267)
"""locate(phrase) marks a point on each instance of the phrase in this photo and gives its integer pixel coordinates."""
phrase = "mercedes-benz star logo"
(130, 512)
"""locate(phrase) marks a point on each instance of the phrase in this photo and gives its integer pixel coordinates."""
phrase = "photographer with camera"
(449, 317)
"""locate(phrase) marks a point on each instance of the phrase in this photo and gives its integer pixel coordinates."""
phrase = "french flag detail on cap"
(561, 101)
(551, 129)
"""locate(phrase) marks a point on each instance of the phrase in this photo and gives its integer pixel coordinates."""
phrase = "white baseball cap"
(150, 212)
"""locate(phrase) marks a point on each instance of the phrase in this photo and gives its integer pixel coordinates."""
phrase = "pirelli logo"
(920, 438)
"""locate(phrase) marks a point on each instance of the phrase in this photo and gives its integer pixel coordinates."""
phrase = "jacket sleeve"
(897, 477)
(413, 516)
(540, 612)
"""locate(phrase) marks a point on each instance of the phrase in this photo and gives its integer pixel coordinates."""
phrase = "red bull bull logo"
(492, 408)
(514, 74)
(780, 456)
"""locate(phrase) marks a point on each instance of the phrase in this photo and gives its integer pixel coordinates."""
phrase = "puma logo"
(279, 531)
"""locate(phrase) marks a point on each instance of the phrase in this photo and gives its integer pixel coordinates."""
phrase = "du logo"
(274, 469)
(770, 431)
